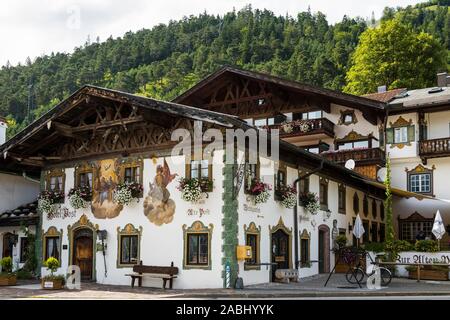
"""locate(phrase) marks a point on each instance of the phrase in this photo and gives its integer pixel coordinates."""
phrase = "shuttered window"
(397, 135)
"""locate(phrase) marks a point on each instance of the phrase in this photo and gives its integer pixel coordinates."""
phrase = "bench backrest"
(140, 268)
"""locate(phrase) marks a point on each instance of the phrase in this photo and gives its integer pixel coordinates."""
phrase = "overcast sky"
(35, 27)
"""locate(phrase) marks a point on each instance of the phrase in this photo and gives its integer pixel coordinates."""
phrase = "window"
(374, 208)
(321, 147)
(132, 174)
(55, 180)
(201, 170)
(129, 239)
(51, 241)
(303, 184)
(23, 249)
(312, 115)
(412, 225)
(347, 117)
(355, 203)
(382, 232)
(401, 135)
(305, 238)
(374, 232)
(382, 210)
(280, 179)
(52, 248)
(197, 248)
(365, 206)
(341, 199)
(251, 172)
(264, 122)
(420, 179)
(129, 250)
(367, 231)
(401, 132)
(252, 236)
(84, 175)
(353, 145)
(323, 193)
(85, 179)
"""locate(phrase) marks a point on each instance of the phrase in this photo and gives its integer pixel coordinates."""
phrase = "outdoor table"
(418, 265)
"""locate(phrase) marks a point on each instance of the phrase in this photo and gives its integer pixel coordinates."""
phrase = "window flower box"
(48, 199)
(310, 201)
(260, 191)
(80, 197)
(192, 189)
(126, 192)
(287, 195)
(437, 273)
(7, 277)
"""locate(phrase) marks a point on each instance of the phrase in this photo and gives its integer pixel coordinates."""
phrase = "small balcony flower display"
(192, 189)
(304, 126)
(52, 281)
(288, 196)
(126, 192)
(287, 127)
(48, 199)
(310, 201)
(7, 277)
(260, 191)
(80, 197)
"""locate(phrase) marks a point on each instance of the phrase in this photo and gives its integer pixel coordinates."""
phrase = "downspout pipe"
(295, 210)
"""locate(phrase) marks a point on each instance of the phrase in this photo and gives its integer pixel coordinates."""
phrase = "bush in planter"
(341, 241)
(310, 201)
(47, 200)
(260, 191)
(7, 277)
(192, 189)
(57, 281)
(288, 196)
(126, 192)
(426, 246)
(374, 246)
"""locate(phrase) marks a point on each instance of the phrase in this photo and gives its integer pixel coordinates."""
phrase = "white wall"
(16, 249)
(438, 124)
(405, 151)
(16, 191)
(160, 245)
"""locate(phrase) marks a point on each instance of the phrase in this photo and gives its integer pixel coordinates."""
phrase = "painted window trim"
(282, 168)
(342, 189)
(197, 227)
(420, 170)
(281, 226)
(80, 169)
(126, 163)
(128, 230)
(188, 167)
(356, 206)
(52, 232)
(345, 113)
(56, 172)
(324, 182)
(256, 231)
(257, 174)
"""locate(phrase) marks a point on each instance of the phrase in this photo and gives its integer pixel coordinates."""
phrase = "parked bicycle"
(356, 274)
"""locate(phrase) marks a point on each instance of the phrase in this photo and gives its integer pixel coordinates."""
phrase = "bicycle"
(356, 274)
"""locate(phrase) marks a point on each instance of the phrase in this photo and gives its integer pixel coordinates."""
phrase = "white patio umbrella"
(358, 229)
(438, 228)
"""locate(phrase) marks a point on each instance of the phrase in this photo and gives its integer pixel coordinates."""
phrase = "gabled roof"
(330, 95)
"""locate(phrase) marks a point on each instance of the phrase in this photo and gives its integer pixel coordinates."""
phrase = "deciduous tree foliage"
(394, 55)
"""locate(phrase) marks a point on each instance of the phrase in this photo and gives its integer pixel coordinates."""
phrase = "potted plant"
(192, 189)
(80, 197)
(7, 277)
(48, 199)
(430, 272)
(260, 191)
(287, 195)
(426, 246)
(52, 281)
(126, 192)
(310, 201)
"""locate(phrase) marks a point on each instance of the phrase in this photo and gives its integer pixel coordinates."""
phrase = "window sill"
(196, 267)
(250, 267)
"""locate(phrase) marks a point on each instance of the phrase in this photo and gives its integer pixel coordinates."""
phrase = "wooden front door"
(8, 243)
(83, 252)
(324, 249)
(280, 251)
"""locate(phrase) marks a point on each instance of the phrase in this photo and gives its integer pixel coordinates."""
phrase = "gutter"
(295, 210)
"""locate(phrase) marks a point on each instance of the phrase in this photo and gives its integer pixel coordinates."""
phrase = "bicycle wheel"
(386, 276)
(354, 275)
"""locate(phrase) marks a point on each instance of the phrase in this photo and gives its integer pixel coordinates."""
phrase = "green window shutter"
(389, 135)
(411, 133)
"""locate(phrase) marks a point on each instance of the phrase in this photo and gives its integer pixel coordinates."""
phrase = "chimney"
(3, 127)
(443, 79)
(382, 89)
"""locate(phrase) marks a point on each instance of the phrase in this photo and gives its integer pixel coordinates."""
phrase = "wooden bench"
(164, 273)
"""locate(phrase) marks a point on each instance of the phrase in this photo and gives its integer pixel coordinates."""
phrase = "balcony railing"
(434, 148)
(304, 127)
(361, 156)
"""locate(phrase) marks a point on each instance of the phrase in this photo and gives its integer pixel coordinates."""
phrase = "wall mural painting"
(158, 207)
(106, 178)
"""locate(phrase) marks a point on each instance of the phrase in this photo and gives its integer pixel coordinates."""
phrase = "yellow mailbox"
(243, 252)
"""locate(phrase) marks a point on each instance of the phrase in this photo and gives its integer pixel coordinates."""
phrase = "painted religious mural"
(106, 180)
(158, 207)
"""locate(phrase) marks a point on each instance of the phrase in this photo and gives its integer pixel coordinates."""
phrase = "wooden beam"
(108, 124)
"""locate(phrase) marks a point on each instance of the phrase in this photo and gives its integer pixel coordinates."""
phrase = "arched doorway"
(8, 244)
(280, 247)
(83, 252)
(324, 249)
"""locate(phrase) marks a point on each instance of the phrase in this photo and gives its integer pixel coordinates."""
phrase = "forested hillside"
(167, 59)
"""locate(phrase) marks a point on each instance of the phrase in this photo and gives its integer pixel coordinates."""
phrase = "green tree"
(396, 56)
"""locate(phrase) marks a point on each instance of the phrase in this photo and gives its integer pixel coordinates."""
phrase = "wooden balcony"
(363, 156)
(434, 148)
(314, 127)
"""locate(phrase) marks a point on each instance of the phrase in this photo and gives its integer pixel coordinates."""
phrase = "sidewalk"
(311, 287)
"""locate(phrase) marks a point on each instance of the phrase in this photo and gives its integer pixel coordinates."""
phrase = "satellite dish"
(350, 164)
(381, 174)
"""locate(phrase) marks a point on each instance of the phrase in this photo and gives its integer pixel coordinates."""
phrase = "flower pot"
(429, 274)
(8, 280)
(52, 284)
